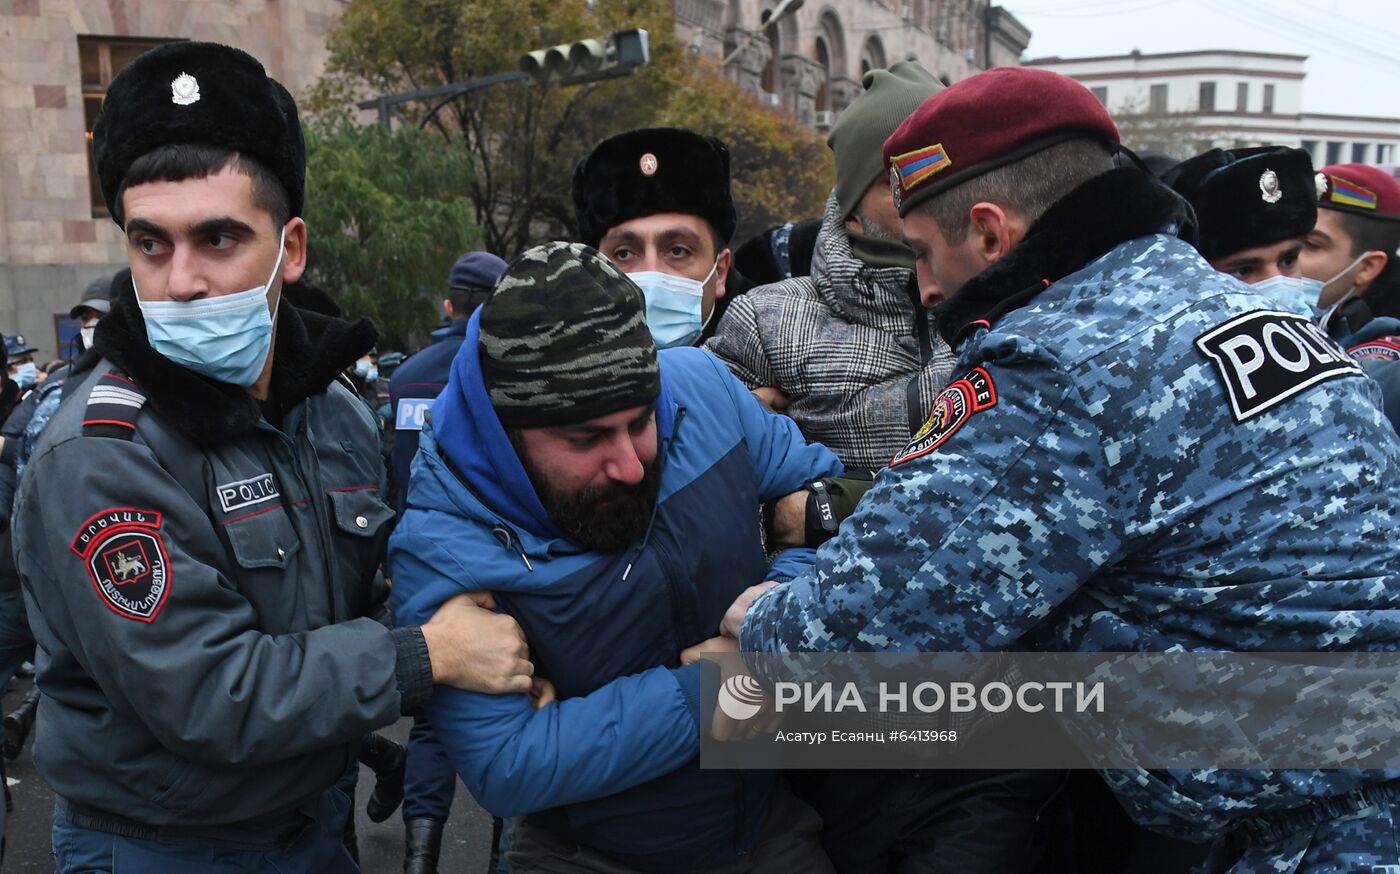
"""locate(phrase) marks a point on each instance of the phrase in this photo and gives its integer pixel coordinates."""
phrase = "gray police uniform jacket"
(196, 581)
(850, 346)
(1138, 454)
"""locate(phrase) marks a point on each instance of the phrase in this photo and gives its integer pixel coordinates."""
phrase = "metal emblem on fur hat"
(184, 90)
(1269, 187)
(648, 164)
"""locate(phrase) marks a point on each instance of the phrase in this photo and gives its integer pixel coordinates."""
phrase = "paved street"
(465, 845)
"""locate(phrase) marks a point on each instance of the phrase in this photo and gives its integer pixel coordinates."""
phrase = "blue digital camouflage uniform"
(1140, 457)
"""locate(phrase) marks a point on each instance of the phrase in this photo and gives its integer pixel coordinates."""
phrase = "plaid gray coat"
(849, 345)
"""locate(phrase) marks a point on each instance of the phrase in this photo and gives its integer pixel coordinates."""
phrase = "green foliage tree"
(387, 215)
(526, 138)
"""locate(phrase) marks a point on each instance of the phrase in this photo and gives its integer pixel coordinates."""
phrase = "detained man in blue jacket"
(609, 497)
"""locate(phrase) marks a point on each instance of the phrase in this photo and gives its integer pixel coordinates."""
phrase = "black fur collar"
(1121, 205)
(311, 351)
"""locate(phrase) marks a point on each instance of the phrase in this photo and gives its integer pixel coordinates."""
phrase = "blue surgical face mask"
(366, 370)
(26, 375)
(1294, 294)
(674, 305)
(225, 338)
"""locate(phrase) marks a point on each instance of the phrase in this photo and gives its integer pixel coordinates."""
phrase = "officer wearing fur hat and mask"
(198, 526)
(1263, 217)
(656, 201)
(1253, 208)
(1109, 471)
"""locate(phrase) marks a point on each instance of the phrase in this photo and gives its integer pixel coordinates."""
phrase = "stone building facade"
(811, 61)
(56, 57)
(1230, 99)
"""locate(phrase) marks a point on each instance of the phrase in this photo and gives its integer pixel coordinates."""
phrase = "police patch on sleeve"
(972, 393)
(1379, 349)
(1264, 358)
(126, 560)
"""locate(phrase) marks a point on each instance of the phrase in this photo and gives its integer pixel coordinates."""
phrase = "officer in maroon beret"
(1352, 250)
(1139, 454)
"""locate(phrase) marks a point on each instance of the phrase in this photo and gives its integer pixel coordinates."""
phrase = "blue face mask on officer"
(26, 375)
(225, 338)
(365, 370)
(674, 306)
(1293, 294)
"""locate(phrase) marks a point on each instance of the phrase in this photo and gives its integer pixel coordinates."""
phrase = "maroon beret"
(1359, 188)
(987, 120)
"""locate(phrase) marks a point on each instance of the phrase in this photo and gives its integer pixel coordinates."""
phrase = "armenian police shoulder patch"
(1379, 349)
(126, 561)
(1265, 357)
(972, 393)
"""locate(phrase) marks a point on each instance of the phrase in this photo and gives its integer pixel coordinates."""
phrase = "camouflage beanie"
(564, 339)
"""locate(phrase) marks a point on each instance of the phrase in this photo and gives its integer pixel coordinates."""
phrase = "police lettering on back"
(1265, 358)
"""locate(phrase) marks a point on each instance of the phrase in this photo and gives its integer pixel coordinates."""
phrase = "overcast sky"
(1353, 46)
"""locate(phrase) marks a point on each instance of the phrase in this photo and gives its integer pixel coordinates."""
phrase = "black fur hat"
(652, 170)
(199, 94)
(1247, 197)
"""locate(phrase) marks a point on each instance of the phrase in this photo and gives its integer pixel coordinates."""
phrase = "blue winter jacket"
(613, 765)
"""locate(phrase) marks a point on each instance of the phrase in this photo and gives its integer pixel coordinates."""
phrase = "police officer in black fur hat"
(200, 523)
(656, 201)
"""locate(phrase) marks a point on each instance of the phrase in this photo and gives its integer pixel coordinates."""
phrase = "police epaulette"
(113, 407)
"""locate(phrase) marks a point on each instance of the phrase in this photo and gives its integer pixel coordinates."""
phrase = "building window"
(771, 79)
(1157, 99)
(1310, 146)
(1100, 94)
(1268, 100)
(1207, 97)
(1242, 97)
(1383, 153)
(872, 56)
(1334, 153)
(1358, 153)
(823, 57)
(99, 59)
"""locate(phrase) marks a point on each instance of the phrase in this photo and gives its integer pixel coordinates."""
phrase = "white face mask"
(1327, 319)
(674, 305)
(87, 331)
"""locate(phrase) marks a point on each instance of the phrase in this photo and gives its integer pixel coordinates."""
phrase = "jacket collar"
(1117, 206)
(1383, 297)
(311, 350)
(879, 297)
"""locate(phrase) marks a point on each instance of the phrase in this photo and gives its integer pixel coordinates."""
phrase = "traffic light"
(588, 60)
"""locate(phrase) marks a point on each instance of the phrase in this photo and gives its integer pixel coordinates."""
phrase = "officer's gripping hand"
(733, 621)
(542, 693)
(475, 649)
